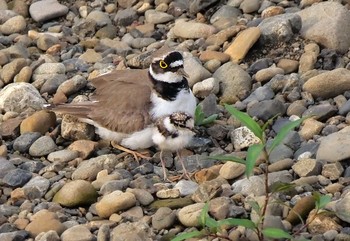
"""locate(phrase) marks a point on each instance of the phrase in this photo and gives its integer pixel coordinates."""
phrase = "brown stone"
(210, 55)
(40, 121)
(272, 11)
(207, 174)
(44, 221)
(84, 147)
(301, 209)
(10, 127)
(288, 65)
(242, 44)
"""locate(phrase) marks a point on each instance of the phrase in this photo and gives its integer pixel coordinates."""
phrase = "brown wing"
(121, 101)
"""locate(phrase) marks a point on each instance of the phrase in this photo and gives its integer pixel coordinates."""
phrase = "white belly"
(184, 102)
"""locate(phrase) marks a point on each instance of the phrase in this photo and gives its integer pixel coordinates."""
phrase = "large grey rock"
(326, 23)
(42, 146)
(19, 97)
(342, 208)
(280, 28)
(235, 82)
(266, 109)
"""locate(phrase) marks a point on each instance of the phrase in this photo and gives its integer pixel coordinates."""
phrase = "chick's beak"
(182, 72)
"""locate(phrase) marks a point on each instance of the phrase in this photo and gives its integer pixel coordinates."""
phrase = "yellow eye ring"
(162, 64)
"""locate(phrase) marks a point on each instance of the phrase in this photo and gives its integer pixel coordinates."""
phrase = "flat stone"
(231, 170)
(53, 9)
(156, 17)
(76, 193)
(328, 84)
(14, 25)
(307, 167)
(163, 218)
(114, 202)
(84, 147)
(189, 215)
(242, 43)
(77, 233)
(42, 146)
(267, 74)
(192, 30)
(40, 121)
(39, 183)
(145, 198)
(195, 70)
(333, 148)
(44, 221)
(62, 156)
(24, 141)
(16, 177)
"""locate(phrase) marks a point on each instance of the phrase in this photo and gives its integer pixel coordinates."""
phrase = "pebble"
(318, 85)
(114, 202)
(307, 167)
(77, 233)
(41, 121)
(231, 170)
(278, 57)
(156, 17)
(13, 25)
(62, 156)
(235, 82)
(192, 30)
(163, 218)
(206, 87)
(342, 208)
(16, 177)
(44, 221)
(332, 170)
(53, 9)
(24, 141)
(333, 148)
(242, 44)
(189, 215)
(186, 187)
(42, 146)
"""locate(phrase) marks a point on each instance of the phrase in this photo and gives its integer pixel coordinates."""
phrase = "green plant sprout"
(212, 227)
(200, 119)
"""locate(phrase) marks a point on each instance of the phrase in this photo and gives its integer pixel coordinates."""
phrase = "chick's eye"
(162, 64)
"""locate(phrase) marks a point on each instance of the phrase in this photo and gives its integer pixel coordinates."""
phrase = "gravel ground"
(59, 181)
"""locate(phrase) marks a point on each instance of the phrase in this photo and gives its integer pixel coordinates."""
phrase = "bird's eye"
(162, 64)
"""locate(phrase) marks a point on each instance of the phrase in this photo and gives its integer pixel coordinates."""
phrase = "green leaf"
(321, 200)
(212, 224)
(255, 206)
(252, 155)
(198, 115)
(246, 120)
(209, 119)
(204, 215)
(284, 132)
(281, 187)
(237, 222)
(269, 122)
(228, 158)
(276, 233)
(185, 236)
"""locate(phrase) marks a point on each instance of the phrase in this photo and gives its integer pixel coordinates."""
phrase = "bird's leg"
(163, 165)
(185, 173)
(136, 154)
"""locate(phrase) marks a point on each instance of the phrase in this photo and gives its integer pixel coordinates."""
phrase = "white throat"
(169, 77)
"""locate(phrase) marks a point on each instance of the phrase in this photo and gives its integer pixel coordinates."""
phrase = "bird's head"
(168, 68)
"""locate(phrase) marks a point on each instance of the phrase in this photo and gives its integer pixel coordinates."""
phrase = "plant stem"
(267, 196)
